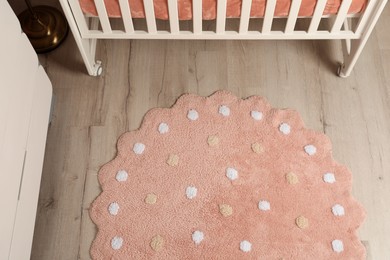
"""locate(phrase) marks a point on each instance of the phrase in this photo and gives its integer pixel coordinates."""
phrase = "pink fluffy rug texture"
(221, 177)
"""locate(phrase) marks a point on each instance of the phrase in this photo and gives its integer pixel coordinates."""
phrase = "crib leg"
(350, 56)
(87, 47)
(353, 48)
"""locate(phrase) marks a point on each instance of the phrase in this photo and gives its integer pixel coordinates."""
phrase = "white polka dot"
(338, 246)
(285, 128)
(256, 115)
(329, 177)
(224, 110)
(310, 149)
(192, 115)
(113, 208)
(264, 205)
(191, 192)
(163, 128)
(197, 237)
(116, 243)
(138, 148)
(121, 175)
(245, 246)
(338, 210)
(231, 173)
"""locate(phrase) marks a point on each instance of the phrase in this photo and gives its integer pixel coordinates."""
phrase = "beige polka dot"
(292, 178)
(173, 160)
(157, 243)
(226, 210)
(257, 148)
(151, 198)
(302, 222)
(213, 140)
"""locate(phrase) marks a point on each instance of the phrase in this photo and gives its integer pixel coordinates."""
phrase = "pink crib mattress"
(210, 8)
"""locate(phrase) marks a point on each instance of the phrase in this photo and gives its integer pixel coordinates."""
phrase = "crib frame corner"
(86, 46)
(354, 47)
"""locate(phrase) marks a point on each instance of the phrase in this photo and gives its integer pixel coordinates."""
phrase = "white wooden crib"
(354, 29)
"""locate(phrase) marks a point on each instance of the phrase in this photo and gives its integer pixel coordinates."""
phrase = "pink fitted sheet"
(210, 8)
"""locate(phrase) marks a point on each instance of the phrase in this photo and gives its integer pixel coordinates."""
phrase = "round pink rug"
(220, 177)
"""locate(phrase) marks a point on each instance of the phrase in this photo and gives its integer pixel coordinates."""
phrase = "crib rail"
(340, 23)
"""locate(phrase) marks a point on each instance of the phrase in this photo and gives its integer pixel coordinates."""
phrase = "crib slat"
(347, 42)
(173, 16)
(268, 16)
(197, 16)
(150, 17)
(79, 16)
(292, 16)
(245, 15)
(103, 17)
(341, 15)
(126, 16)
(316, 19)
(221, 16)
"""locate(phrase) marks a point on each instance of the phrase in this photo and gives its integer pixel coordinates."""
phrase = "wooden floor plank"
(59, 212)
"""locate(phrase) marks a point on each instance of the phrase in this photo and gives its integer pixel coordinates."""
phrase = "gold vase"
(45, 26)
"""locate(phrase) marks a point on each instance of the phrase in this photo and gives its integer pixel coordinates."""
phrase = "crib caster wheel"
(340, 71)
(98, 68)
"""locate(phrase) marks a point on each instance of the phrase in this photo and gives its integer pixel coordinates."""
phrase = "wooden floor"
(91, 113)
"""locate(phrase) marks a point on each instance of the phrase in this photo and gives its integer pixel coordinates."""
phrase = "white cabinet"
(25, 98)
